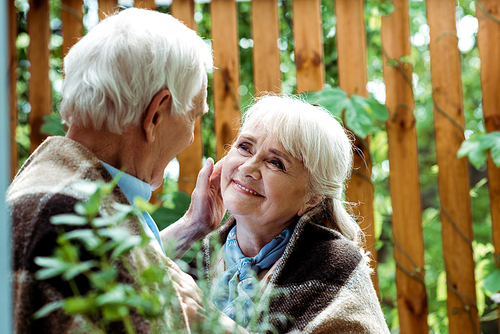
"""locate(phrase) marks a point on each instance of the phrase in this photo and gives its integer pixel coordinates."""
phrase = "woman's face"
(262, 184)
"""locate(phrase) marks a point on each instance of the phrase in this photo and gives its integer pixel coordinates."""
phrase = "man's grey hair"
(311, 135)
(113, 72)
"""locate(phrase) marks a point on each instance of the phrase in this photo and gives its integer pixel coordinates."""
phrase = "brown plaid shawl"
(41, 190)
(325, 280)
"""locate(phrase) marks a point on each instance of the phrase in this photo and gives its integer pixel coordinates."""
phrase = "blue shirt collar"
(130, 185)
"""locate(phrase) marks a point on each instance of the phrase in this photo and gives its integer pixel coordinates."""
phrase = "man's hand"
(207, 209)
(191, 299)
(204, 214)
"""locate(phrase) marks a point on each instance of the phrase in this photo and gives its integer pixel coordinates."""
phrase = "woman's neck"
(252, 238)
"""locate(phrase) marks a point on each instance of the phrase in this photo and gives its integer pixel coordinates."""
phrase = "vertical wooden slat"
(266, 55)
(404, 174)
(226, 74)
(351, 48)
(72, 23)
(489, 51)
(453, 177)
(12, 83)
(308, 38)
(107, 7)
(190, 159)
(40, 89)
(147, 4)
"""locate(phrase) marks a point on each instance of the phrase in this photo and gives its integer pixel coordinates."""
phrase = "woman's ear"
(313, 201)
(155, 113)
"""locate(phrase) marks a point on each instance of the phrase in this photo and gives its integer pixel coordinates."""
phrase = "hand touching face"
(262, 184)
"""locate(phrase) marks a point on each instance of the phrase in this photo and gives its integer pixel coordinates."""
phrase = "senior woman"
(289, 237)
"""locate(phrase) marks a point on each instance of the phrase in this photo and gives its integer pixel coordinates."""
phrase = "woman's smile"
(246, 189)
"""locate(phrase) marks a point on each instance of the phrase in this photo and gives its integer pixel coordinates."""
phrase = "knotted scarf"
(235, 298)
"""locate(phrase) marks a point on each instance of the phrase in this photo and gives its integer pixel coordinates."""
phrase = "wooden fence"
(449, 120)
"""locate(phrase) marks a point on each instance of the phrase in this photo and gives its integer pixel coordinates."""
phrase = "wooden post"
(190, 159)
(12, 17)
(147, 4)
(488, 14)
(351, 45)
(226, 74)
(72, 23)
(266, 55)
(404, 175)
(40, 89)
(308, 39)
(107, 7)
(453, 177)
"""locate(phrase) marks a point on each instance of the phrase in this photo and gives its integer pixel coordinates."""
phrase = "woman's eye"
(243, 147)
(278, 164)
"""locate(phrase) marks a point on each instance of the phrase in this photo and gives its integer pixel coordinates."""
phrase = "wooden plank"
(72, 23)
(308, 38)
(107, 7)
(453, 177)
(266, 55)
(190, 160)
(351, 48)
(40, 89)
(404, 173)
(12, 84)
(147, 4)
(226, 74)
(488, 15)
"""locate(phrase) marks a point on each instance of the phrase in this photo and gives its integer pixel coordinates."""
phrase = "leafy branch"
(477, 147)
(358, 113)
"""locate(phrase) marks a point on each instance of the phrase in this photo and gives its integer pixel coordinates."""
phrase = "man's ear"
(313, 201)
(160, 105)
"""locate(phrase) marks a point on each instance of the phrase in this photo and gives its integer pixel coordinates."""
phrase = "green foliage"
(108, 300)
(477, 147)
(359, 114)
(52, 125)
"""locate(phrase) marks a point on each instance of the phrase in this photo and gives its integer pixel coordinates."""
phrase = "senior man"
(133, 89)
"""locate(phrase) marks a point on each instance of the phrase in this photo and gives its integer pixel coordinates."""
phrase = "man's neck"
(120, 151)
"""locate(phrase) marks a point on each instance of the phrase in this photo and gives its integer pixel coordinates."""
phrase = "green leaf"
(76, 270)
(115, 233)
(47, 309)
(114, 312)
(130, 242)
(491, 281)
(379, 110)
(52, 125)
(442, 292)
(86, 187)
(68, 219)
(144, 205)
(494, 139)
(116, 296)
(86, 237)
(332, 99)
(79, 305)
(474, 149)
(493, 315)
(104, 279)
(48, 273)
(357, 119)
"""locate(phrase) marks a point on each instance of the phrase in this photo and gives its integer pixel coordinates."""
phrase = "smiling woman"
(290, 237)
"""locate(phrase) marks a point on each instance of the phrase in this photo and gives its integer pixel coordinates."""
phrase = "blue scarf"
(235, 298)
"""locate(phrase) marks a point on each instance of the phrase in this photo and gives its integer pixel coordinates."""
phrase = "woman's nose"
(251, 168)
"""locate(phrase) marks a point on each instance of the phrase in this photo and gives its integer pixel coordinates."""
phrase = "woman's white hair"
(113, 72)
(311, 135)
